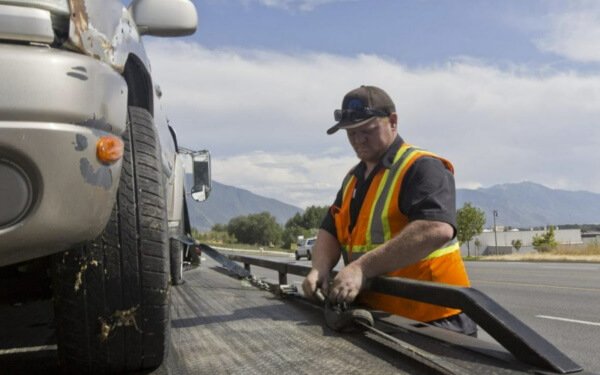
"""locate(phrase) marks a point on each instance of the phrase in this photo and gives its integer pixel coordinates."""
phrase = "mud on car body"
(91, 175)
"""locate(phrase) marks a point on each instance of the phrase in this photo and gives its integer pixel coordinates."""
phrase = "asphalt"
(558, 300)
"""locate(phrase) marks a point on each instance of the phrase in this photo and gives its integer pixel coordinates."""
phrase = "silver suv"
(91, 176)
(305, 247)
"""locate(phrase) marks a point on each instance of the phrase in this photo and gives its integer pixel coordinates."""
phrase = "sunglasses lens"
(337, 114)
(356, 114)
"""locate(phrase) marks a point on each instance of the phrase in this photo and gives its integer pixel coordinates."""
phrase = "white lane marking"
(477, 281)
(536, 265)
(573, 267)
(27, 349)
(568, 320)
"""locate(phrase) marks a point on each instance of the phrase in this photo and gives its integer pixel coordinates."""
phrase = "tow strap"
(233, 267)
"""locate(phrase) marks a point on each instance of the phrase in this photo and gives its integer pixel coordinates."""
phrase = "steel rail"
(519, 339)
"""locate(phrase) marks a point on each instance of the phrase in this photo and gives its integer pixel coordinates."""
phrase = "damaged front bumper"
(55, 106)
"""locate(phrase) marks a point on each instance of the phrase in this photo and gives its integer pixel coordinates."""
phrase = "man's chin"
(364, 155)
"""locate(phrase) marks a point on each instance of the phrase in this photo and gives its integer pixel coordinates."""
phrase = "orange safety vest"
(379, 220)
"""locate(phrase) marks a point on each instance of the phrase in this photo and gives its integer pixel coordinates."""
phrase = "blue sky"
(416, 32)
(507, 90)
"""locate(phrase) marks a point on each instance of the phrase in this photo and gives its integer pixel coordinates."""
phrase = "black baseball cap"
(360, 106)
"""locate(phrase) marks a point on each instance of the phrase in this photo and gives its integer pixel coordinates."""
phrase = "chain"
(258, 283)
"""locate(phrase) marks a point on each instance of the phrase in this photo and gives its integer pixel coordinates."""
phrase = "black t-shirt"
(427, 191)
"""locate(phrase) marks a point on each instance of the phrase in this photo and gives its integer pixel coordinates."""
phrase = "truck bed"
(224, 325)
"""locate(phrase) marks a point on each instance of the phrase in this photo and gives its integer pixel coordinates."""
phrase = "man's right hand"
(326, 254)
(314, 280)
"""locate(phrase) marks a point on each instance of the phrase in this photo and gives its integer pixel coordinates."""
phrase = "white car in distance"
(305, 248)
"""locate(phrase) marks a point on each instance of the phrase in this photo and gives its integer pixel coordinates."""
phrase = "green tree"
(516, 244)
(219, 228)
(477, 244)
(291, 233)
(469, 221)
(218, 234)
(545, 242)
(255, 229)
(294, 221)
(304, 224)
(311, 218)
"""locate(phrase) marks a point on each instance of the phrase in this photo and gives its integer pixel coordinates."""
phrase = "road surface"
(561, 301)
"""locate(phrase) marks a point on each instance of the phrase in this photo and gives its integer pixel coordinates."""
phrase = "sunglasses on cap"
(357, 114)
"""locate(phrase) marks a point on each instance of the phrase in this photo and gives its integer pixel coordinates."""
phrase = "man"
(394, 215)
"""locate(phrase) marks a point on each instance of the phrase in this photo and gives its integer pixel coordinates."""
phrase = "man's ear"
(394, 120)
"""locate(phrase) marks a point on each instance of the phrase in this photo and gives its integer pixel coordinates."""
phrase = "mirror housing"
(202, 178)
(164, 17)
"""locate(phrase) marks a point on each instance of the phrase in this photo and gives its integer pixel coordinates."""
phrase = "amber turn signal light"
(109, 149)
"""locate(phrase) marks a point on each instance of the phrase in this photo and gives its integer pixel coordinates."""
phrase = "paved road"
(561, 301)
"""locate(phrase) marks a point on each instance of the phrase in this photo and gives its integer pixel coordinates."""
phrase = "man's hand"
(347, 284)
(314, 280)
(326, 253)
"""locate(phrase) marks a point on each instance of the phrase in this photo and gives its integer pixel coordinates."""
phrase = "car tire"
(176, 249)
(308, 255)
(297, 256)
(176, 255)
(111, 295)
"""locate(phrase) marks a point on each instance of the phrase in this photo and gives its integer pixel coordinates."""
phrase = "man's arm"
(325, 255)
(418, 239)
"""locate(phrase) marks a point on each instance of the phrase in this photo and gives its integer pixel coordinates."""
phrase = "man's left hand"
(347, 284)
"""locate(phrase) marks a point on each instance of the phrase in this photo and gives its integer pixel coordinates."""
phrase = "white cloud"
(575, 33)
(264, 115)
(295, 178)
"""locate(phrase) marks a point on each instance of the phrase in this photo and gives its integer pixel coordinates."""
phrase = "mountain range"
(520, 205)
(226, 202)
(528, 204)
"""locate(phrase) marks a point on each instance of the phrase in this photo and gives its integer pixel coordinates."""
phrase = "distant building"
(487, 241)
(500, 250)
(591, 238)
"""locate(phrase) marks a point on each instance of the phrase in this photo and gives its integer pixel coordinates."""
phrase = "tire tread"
(125, 268)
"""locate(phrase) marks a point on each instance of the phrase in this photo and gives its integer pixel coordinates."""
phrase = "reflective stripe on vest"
(379, 230)
(448, 248)
(451, 246)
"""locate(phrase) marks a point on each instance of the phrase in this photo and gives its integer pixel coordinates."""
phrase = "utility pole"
(495, 237)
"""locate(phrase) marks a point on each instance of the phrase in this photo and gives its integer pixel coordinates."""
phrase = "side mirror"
(202, 180)
(164, 18)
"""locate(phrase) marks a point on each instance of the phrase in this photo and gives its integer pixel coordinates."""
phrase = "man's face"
(371, 140)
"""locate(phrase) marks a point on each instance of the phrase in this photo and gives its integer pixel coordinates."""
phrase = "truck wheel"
(308, 255)
(297, 256)
(176, 250)
(111, 295)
